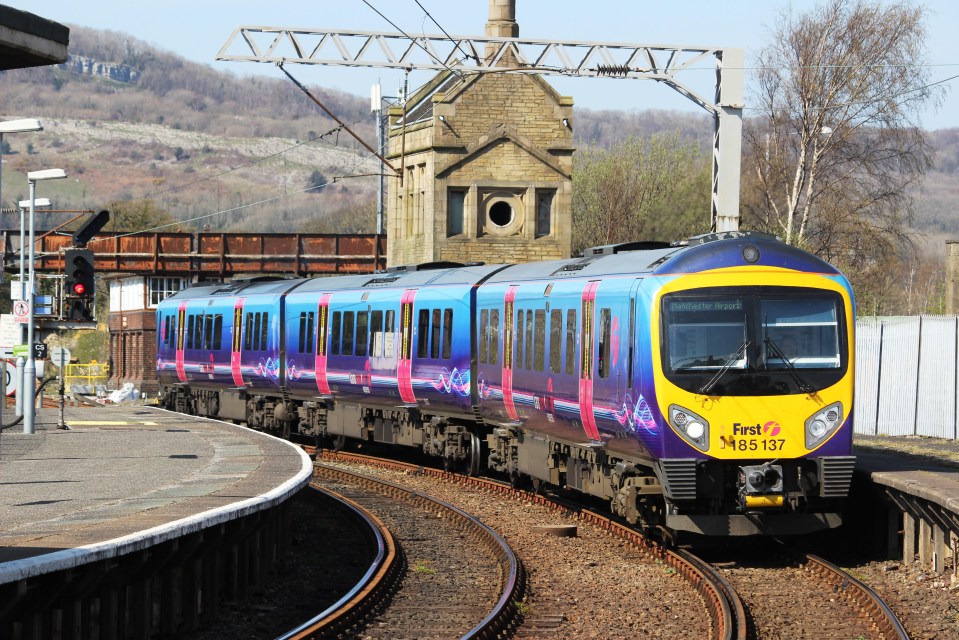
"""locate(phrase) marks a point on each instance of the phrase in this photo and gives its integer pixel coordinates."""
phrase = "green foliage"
(137, 215)
(357, 217)
(90, 345)
(316, 182)
(639, 189)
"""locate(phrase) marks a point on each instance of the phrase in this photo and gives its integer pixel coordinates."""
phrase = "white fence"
(906, 376)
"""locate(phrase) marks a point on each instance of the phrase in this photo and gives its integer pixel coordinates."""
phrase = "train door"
(508, 342)
(181, 325)
(319, 364)
(631, 350)
(404, 368)
(236, 367)
(587, 360)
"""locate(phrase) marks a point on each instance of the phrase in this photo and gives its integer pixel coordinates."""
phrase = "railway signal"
(79, 285)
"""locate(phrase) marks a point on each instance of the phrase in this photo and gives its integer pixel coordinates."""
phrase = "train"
(701, 386)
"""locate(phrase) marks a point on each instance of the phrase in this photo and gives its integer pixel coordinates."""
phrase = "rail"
(723, 605)
(865, 598)
(504, 614)
(346, 612)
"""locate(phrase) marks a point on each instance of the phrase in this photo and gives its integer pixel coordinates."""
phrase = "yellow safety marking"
(753, 502)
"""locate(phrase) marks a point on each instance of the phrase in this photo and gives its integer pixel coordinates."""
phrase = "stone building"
(487, 166)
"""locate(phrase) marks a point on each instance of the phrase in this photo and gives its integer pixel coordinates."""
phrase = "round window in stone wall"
(501, 213)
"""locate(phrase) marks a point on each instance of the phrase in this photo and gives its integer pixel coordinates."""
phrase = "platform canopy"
(27, 40)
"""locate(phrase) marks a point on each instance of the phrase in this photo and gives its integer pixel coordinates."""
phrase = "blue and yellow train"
(703, 387)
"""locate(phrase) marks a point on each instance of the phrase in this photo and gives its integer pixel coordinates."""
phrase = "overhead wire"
(414, 40)
(448, 36)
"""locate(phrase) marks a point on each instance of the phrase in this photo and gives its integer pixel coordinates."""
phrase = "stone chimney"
(501, 24)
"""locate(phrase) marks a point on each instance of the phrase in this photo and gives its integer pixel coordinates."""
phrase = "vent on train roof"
(376, 282)
(725, 235)
(232, 285)
(573, 267)
(639, 245)
(430, 266)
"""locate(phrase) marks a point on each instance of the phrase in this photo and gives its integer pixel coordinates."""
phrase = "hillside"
(129, 122)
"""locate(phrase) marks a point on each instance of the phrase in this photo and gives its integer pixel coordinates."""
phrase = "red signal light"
(79, 289)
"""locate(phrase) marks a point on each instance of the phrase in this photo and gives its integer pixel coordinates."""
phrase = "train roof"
(245, 287)
(700, 253)
(433, 274)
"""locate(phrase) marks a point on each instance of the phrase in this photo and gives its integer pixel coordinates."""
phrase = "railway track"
(789, 594)
(724, 610)
(439, 573)
(841, 603)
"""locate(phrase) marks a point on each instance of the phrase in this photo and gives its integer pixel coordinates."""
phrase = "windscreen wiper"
(733, 357)
(790, 367)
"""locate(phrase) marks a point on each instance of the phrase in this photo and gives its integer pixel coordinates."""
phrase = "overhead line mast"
(522, 55)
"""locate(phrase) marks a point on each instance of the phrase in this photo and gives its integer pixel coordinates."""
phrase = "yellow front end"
(755, 427)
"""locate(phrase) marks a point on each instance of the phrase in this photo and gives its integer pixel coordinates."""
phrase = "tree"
(316, 181)
(138, 215)
(838, 146)
(616, 191)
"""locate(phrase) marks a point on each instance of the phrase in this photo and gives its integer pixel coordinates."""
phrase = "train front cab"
(755, 383)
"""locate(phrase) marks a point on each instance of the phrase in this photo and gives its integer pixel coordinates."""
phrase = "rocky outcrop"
(108, 70)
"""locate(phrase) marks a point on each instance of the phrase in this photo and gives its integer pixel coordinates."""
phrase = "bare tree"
(838, 145)
(617, 191)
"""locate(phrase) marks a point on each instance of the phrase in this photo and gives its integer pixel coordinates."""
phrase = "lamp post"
(21, 361)
(24, 125)
(30, 370)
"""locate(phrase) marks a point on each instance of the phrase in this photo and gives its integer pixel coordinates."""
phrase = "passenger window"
(529, 338)
(484, 336)
(539, 357)
(301, 343)
(555, 339)
(218, 331)
(494, 336)
(376, 328)
(604, 340)
(362, 332)
(189, 331)
(435, 339)
(335, 334)
(520, 335)
(347, 333)
(310, 330)
(447, 333)
(264, 331)
(570, 342)
(248, 339)
(257, 322)
(390, 334)
(423, 334)
(208, 332)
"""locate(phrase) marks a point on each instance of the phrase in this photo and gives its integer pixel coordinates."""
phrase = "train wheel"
(476, 454)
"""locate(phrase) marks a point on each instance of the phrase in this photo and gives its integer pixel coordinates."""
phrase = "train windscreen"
(753, 341)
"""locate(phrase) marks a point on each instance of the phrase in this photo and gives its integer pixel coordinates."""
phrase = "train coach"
(703, 387)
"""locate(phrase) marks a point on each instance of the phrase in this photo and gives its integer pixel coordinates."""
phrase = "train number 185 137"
(757, 444)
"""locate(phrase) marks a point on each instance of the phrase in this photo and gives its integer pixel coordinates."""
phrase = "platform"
(919, 479)
(123, 478)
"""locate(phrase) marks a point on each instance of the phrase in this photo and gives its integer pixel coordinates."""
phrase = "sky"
(197, 31)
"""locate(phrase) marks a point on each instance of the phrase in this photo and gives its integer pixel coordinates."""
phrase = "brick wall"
(133, 349)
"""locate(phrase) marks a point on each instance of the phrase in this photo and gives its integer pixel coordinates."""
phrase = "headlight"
(823, 424)
(695, 430)
(691, 427)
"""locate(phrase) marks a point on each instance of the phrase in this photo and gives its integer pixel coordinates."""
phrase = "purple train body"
(654, 376)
